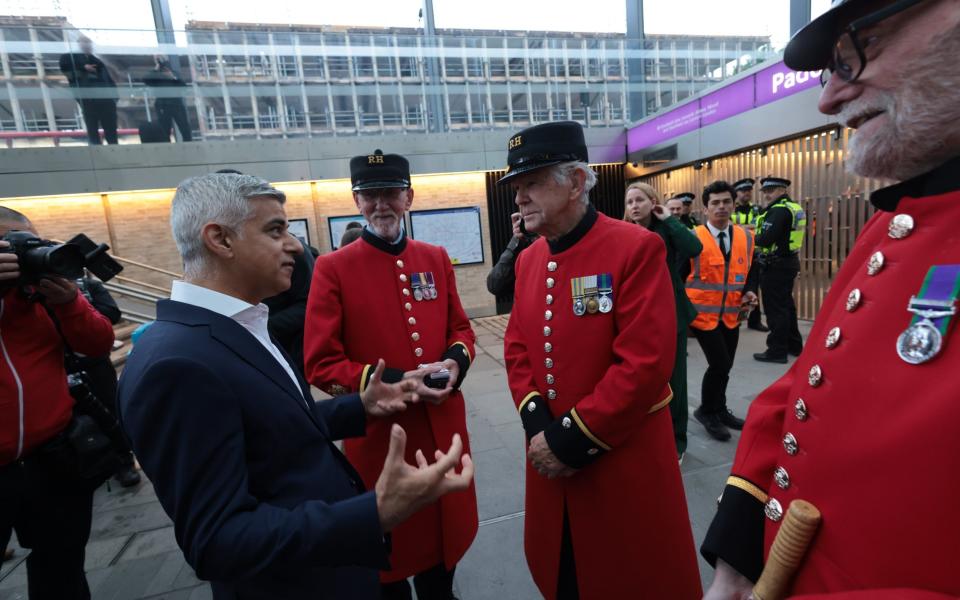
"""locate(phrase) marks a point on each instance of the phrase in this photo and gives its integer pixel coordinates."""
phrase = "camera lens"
(62, 260)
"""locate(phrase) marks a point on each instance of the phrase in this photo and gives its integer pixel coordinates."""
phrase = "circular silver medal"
(606, 304)
(417, 294)
(920, 342)
(579, 308)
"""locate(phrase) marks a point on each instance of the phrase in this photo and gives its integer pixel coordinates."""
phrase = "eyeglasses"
(388, 194)
(849, 60)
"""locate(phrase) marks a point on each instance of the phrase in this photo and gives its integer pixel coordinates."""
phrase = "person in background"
(501, 277)
(642, 208)
(746, 213)
(95, 90)
(721, 285)
(351, 234)
(169, 91)
(862, 424)
(686, 212)
(102, 375)
(674, 206)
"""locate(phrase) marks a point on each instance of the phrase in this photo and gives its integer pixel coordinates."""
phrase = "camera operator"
(102, 376)
(50, 514)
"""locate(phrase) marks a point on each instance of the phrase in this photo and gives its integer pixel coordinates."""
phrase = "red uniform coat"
(873, 434)
(596, 386)
(362, 308)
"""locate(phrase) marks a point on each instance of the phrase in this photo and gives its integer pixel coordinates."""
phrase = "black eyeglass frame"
(852, 30)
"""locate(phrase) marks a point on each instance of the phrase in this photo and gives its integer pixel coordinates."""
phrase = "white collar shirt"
(250, 317)
(726, 238)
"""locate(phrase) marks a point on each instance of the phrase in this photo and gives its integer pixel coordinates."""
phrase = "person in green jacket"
(642, 207)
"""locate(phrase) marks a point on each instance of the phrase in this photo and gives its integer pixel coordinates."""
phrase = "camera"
(41, 258)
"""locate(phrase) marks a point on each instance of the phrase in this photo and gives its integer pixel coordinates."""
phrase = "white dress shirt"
(250, 317)
(726, 238)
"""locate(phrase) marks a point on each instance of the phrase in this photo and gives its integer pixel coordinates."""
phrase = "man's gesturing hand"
(428, 394)
(381, 399)
(403, 489)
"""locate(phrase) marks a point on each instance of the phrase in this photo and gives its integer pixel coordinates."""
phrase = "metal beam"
(436, 117)
(635, 33)
(799, 14)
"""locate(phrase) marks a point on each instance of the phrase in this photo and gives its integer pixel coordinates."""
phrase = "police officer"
(780, 226)
(688, 219)
(746, 213)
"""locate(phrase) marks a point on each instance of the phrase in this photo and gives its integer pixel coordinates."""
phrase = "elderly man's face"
(383, 209)
(547, 206)
(904, 105)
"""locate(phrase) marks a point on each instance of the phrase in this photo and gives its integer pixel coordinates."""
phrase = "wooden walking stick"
(790, 545)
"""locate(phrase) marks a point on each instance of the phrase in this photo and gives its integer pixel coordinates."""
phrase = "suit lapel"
(242, 343)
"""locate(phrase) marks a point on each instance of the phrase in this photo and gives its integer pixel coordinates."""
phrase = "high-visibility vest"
(715, 285)
(745, 218)
(797, 227)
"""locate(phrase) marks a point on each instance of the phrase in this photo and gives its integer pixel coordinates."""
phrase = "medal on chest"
(592, 294)
(933, 309)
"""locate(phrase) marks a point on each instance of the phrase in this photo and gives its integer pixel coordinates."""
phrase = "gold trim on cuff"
(363, 377)
(465, 350)
(748, 487)
(586, 430)
(526, 399)
(663, 402)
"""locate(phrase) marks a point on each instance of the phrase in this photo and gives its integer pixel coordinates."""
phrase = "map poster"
(458, 230)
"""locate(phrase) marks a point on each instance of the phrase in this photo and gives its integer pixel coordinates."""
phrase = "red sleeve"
(460, 336)
(534, 413)
(643, 350)
(86, 331)
(327, 365)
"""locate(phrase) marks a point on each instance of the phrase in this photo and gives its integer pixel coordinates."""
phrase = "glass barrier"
(59, 86)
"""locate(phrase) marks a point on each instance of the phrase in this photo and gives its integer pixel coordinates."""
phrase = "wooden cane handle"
(788, 549)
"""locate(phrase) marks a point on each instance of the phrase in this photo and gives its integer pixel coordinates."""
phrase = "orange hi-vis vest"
(715, 285)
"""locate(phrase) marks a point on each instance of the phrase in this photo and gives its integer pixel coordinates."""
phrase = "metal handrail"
(128, 291)
(166, 291)
(148, 267)
(137, 317)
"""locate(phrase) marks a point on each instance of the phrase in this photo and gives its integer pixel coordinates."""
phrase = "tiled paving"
(132, 553)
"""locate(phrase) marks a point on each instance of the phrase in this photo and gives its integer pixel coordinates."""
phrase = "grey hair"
(562, 173)
(221, 198)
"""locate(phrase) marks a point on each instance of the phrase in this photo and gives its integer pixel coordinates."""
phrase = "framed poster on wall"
(458, 230)
(338, 224)
(301, 229)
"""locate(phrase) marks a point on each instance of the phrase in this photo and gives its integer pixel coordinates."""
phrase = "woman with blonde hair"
(641, 207)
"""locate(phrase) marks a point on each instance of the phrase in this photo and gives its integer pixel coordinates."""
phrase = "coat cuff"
(390, 375)
(572, 441)
(534, 414)
(736, 533)
(461, 355)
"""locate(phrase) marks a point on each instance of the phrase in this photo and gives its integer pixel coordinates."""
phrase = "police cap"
(544, 146)
(772, 182)
(744, 184)
(687, 197)
(379, 170)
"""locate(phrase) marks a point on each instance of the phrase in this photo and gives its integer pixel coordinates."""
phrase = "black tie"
(723, 247)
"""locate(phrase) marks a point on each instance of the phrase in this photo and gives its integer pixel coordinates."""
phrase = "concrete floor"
(132, 553)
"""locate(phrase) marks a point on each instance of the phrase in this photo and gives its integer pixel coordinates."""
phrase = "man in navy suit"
(264, 505)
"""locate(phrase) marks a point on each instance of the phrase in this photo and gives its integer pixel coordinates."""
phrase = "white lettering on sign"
(784, 81)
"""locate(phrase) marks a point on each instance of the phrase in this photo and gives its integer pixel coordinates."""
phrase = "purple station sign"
(766, 86)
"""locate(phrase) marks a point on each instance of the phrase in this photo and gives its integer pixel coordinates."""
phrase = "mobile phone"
(437, 380)
(523, 228)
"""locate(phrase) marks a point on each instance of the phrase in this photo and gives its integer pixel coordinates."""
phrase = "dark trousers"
(567, 578)
(170, 111)
(777, 288)
(679, 414)
(433, 584)
(97, 113)
(719, 348)
(52, 519)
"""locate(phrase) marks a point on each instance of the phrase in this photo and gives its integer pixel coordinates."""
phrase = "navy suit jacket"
(263, 504)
